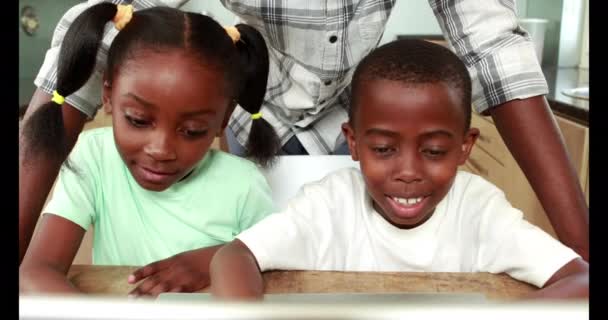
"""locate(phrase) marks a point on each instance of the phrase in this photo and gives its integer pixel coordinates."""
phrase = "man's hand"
(184, 272)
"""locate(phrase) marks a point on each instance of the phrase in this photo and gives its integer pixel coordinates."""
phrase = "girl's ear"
(106, 94)
(349, 134)
(467, 145)
(228, 113)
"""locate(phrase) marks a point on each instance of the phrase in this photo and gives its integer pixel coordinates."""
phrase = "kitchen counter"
(568, 107)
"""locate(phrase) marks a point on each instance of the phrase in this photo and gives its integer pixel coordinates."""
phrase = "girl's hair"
(158, 29)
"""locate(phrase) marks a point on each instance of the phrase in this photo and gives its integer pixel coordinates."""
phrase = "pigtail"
(263, 142)
(44, 130)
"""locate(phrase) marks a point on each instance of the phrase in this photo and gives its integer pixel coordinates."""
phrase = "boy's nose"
(408, 168)
(161, 148)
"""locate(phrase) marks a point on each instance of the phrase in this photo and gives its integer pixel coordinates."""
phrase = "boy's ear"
(469, 140)
(105, 95)
(349, 134)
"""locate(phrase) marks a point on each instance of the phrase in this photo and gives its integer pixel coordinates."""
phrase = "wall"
(584, 63)
(214, 9)
(412, 17)
(415, 17)
(33, 48)
(552, 11)
(563, 39)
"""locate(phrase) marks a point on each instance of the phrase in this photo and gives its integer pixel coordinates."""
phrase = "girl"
(150, 185)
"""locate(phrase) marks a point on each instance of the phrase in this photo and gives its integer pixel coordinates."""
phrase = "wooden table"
(112, 280)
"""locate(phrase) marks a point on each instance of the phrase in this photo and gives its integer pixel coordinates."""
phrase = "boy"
(409, 208)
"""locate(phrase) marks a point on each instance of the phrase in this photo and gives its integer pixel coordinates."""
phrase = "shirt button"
(333, 39)
(327, 82)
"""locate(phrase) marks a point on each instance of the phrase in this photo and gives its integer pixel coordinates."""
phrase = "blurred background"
(561, 26)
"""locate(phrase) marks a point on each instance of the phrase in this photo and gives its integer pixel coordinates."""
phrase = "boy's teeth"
(409, 201)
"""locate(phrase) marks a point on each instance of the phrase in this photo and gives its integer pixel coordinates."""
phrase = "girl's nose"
(161, 148)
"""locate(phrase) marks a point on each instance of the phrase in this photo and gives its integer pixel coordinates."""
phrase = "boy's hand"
(184, 272)
(235, 273)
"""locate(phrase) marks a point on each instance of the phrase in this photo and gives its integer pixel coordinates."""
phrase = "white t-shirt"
(331, 225)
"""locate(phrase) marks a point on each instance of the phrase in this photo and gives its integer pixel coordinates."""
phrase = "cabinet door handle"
(478, 167)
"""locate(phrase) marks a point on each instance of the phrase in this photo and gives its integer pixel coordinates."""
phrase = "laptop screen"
(100, 308)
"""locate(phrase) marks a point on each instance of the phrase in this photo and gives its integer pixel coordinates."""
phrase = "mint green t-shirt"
(223, 196)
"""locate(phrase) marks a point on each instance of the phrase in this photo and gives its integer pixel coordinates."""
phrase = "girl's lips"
(407, 210)
(154, 176)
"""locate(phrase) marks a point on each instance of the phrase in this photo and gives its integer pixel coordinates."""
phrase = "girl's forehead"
(166, 59)
(171, 78)
(146, 55)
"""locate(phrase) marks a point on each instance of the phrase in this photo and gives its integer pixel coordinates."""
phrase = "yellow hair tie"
(256, 116)
(57, 98)
(123, 15)
(233, 33)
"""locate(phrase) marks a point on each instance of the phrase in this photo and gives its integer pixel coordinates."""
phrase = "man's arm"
(235, 273)
(570, 281)
(529, 130)
(508, 84)
(37, 174)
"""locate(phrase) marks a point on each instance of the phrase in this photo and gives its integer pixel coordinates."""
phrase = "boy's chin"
(407, 223)
(404, 221)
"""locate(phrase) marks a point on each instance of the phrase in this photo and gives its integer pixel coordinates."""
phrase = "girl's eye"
(136, 122)
(191, 133)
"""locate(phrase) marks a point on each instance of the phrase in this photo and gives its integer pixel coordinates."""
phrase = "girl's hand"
(184, 272)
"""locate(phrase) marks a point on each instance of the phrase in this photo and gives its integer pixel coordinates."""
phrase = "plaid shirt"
(315, 46)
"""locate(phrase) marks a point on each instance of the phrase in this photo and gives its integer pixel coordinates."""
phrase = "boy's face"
(410, 142)
(166, 110)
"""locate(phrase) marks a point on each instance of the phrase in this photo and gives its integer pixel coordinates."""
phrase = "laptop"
(163, 308)
(290, 173)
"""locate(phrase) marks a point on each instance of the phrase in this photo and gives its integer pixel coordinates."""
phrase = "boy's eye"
(137, 122)
(383, 150)
(434, 153)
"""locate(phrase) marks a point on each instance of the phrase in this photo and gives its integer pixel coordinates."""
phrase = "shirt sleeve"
(74, 194)
(510, 244)
(499, 54)
(258, 201)
(294, 238)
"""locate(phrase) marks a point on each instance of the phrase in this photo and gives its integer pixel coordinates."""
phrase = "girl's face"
(166, 110)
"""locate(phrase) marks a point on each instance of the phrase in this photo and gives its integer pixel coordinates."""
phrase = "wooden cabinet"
(576, 138)
(491, 159)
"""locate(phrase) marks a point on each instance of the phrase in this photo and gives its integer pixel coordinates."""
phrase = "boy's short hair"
(414, 62)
